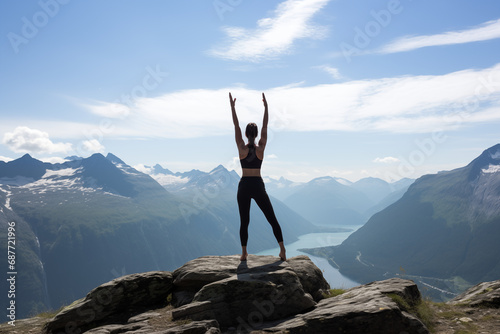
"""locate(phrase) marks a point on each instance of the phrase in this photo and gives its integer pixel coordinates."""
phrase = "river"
(313, 240)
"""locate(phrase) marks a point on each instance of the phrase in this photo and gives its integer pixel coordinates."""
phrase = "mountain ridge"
(442, 231)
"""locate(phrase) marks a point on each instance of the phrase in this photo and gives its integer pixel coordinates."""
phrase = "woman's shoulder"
(243, 151)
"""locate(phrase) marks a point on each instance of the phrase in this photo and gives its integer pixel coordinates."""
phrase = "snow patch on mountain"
(115, 195)
(343, 181)
(169, 180)
(126, 169)
(8, 193)
(322, 180)
(60, 173)
(56, 180)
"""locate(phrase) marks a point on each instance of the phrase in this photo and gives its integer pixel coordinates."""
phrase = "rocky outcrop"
(364, 309)
(486, 294)
(220, 294)
(233, 292)
(113, 302)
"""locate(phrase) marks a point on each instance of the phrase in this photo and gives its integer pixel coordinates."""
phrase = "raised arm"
(237, 131)
(263, 133)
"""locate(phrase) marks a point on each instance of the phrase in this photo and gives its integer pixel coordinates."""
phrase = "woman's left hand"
(232, 101)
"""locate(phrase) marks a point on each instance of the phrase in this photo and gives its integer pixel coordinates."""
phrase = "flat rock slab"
(363, 309)
(235, 292)
(208, 269)
(486, 294)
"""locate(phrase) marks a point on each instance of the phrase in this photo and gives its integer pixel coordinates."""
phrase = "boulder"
(486, 294)
(113, 302)
(363, 309)
(235, 293)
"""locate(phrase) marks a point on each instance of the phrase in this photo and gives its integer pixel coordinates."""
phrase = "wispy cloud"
(334, 72)
(274, 35)
(109, 109)
(486, 31)
(409, 104)
(386, 160)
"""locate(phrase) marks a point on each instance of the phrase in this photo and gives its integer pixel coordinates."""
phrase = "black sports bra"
(251, 160)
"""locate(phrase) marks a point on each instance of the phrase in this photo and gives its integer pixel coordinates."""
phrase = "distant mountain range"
(324, 201)
(443, 233)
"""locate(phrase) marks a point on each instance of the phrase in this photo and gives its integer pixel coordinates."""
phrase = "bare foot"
(244, 253)
(282, 251)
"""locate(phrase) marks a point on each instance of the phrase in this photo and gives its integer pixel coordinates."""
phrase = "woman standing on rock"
(251, 184)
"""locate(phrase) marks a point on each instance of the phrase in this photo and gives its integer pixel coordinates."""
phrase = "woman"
(251, 184)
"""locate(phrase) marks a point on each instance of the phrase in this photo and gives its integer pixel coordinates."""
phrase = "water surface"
(313, 240)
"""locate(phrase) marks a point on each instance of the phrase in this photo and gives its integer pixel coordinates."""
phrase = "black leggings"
(253, 187)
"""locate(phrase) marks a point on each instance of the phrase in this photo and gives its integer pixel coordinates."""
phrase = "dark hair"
(251, 132)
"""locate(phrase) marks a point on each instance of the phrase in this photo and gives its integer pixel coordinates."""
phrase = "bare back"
(243, 153)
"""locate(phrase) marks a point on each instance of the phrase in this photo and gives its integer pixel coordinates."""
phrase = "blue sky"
(388, 89)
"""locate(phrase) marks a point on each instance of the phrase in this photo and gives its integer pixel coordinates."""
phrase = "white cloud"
(486, 31)
(109, 110)
(93, 146)
(409, 104)
(273, 36)
(27, 140)
(334, 72)
(386, 160)
(5, 159)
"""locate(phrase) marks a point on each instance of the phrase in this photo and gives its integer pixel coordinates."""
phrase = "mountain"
(397, 190)
(373, 188)
(85, 221)
(327, 201)
(442, 233)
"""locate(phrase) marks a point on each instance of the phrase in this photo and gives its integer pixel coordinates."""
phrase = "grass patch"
(450, 315)
(50, 314)
(47, 314)
(471, 329)
(448, 312)
(486, 291)
(489, 317)
(333, 293)
(169, 298)
(422, 309)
